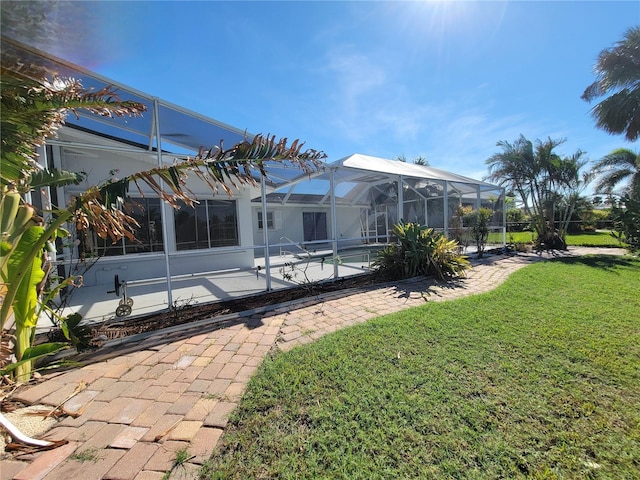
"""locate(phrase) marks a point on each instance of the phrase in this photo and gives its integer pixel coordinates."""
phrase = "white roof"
(395, 167)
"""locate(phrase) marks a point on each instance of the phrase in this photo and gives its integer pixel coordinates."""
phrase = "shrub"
(479, 221)
(626, 217)
(515, 215)
(602, 218)
(420, 251)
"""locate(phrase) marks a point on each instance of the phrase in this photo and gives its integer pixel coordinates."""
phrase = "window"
(148, 236)
(209, 224)
(314, 225)
(270, 222)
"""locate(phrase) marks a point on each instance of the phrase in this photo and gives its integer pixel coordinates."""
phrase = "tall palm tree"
(618, 76)
(619, 166)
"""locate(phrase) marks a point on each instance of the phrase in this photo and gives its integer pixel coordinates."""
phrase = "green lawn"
(539, 378)
(591, 239)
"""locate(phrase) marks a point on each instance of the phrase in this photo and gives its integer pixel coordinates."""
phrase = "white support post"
(56, 161)
(503, 195)
(334, 222)
(445, 207)
(163, 212)
(265, 231)
(426, 212)
(400, 198)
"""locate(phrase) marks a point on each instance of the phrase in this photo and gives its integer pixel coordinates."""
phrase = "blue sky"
(440, 79)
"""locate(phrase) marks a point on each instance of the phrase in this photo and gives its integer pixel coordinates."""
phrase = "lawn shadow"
(602, 261)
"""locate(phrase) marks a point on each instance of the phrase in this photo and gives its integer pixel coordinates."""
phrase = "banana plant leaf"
(26, 303)
(34, 353)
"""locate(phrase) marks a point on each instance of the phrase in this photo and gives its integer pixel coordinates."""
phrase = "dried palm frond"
(7, 342)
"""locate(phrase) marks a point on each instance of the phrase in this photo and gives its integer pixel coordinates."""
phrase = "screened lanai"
(350, 207)
(287, 229)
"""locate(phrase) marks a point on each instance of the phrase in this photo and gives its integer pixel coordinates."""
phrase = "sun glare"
(438, 20)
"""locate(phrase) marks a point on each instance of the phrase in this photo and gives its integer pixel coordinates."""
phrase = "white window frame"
(274, 220)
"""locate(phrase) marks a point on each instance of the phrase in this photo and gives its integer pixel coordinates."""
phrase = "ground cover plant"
(539, 378)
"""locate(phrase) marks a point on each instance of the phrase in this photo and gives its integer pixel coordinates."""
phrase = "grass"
(539, 378)
(87, 455)
(593, 239)
(586, 239)
(181, 456)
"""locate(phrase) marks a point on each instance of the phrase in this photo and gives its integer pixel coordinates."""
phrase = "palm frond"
(34, 104)
(618, 75)
(617, 167)
(237, 166)
(53, 178)
(619, 113)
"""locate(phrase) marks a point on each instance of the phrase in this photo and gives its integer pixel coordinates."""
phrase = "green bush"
(626, 217)
(420, 251)
(516, 215)
(602, 218)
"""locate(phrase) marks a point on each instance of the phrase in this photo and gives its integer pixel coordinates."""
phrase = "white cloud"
(354, 79)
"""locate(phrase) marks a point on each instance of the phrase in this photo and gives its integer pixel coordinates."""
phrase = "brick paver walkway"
(141, 407)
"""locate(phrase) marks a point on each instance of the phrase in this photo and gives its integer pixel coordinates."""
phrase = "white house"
(231, 245)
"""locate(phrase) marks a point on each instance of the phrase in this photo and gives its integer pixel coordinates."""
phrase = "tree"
(617, 72)
(619, 166)
(548, 185)
(479, 221)
(34, 105)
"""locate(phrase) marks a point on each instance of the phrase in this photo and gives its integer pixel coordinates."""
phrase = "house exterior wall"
(101, 165)
(288, 225)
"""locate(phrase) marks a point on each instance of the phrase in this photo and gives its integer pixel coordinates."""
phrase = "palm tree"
(543, 179)
(618, 76)
(512, 168)
(34, 105)
(619, 166)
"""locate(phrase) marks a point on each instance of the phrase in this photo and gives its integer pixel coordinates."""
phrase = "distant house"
(345, 210)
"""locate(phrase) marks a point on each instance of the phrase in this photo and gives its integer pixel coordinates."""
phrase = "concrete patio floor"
(173, 392)
(96, 304)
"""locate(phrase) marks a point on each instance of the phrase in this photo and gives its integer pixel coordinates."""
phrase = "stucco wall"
(101, 165)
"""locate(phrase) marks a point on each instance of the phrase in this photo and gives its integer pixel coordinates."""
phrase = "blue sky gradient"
(441, 79)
